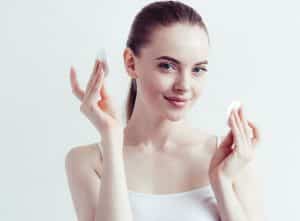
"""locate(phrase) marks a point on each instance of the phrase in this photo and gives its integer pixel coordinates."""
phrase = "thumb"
(224, 149)
(106, 103)
(227, 141)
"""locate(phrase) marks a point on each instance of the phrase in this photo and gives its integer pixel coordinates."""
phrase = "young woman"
(158, 167)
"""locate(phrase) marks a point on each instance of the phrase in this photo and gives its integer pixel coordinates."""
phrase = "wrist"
(218, 177)
(112, 147)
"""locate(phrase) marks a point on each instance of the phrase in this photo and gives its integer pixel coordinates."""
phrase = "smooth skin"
(157, 141)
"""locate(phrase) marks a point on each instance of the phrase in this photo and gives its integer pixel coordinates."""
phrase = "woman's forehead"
(184, 42)
(180, 33)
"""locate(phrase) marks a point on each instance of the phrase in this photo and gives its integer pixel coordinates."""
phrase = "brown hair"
(159, 13)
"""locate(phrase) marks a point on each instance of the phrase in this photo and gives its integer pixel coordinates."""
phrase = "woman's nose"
(182, 82)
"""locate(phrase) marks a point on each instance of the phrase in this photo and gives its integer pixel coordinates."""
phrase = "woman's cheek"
(151, 87)
(198, 91)
(158, 83)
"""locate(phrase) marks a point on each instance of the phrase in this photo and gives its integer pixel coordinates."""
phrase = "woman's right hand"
(96, 104)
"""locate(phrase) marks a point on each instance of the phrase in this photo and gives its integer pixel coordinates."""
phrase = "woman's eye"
(165, 65)
(198, 69)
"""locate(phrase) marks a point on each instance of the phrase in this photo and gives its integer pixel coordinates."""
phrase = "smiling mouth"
(176, 103)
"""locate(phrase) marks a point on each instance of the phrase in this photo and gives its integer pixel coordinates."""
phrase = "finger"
(105, 68)
(106, 101)
(235, 129)
(99, 88)
(96, 88)
(242, 148)
(103, 93)
(244, 122)
(92, 97)
(220, 154)
(239, 123)
(75, 86)
(95, 83)
(92, 78)
(256, 133)
(228, 140)
(102, 57)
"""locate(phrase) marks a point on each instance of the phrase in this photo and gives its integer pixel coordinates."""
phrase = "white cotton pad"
(101, 55)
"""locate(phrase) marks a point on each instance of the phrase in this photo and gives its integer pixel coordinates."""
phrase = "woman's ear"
(129, 62)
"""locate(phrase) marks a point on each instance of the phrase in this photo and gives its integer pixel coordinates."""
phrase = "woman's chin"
(175, 112)
(179, 118)
(175, 116)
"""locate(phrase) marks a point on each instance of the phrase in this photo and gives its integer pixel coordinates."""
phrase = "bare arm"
(248, 188)
(113, 203)
(230, 209)
(95, 200)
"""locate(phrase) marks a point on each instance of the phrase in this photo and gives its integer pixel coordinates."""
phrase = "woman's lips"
(176, 103)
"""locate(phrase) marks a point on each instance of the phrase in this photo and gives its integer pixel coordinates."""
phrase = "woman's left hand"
(237, 148)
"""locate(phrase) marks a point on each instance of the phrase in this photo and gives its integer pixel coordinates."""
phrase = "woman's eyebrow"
(178, 62)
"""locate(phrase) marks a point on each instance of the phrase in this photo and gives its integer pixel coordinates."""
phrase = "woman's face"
(174, 64)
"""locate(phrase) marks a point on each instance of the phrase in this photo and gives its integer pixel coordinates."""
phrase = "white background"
(254, 58)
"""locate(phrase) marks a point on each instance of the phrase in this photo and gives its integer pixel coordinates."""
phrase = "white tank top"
(195, 205)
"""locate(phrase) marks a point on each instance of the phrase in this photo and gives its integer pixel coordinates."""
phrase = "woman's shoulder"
(86, 155)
